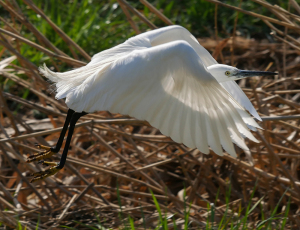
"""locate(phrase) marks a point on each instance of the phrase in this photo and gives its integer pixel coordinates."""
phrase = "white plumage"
(167, 78)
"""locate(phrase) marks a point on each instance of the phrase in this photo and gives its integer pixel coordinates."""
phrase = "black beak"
(253, 73)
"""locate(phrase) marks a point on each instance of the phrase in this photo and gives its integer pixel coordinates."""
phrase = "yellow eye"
(227, 73)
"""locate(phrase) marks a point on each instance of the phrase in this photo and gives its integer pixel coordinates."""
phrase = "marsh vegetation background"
(122, 173)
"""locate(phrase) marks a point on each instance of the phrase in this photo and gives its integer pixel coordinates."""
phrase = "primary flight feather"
(167, 78)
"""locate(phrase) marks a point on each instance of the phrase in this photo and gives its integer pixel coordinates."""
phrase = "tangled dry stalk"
(111, 152)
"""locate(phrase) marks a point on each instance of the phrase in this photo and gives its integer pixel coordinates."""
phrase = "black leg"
(74, 119)
(56, 167)
(63, 132)
(51, 151)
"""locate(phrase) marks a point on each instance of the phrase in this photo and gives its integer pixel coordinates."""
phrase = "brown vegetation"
(110, 151)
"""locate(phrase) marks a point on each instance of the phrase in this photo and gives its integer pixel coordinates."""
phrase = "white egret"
(167, 78)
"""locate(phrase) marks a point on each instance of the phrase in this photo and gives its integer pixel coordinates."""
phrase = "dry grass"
(111, 152)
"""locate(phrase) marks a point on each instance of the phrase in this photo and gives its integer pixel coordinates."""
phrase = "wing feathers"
(168, 86)
(212, 130)
(185, 125)
(226, 113)
(238, 94)
(237, 114)
(223, 131)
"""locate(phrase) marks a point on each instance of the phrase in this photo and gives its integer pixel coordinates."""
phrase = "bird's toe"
(42, 155)
(44, 174)
(43, 147)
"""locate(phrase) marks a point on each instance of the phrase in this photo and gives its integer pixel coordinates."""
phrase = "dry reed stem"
(129, 18)
(138, 14)
(157, 12)
(31, 27)
(285, 24)
(295, 5)
(69, 60)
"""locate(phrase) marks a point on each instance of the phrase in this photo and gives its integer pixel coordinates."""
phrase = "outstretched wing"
(168, 86)
(231, 86)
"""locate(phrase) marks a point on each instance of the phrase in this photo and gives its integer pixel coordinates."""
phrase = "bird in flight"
(167, 78)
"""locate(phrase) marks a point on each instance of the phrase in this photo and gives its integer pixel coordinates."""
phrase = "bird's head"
(224, 73)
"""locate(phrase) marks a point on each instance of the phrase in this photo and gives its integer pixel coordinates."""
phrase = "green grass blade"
(186, 212)
(120, 204)
(275, 209)
(131, 223)
(269, 220)
(247, 213)
(87, 226)
(212, 211)
(207, 221)
(67, 227)
(227, 206)
(257, 203)
(286, 214)
(38, 222)
(174, 224)
(157, 207)
(143, 217)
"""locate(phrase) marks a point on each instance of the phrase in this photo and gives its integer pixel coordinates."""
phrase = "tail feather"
(66, 82)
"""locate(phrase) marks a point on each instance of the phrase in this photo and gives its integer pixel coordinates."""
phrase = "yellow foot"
(43, 174)
(42, 155)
